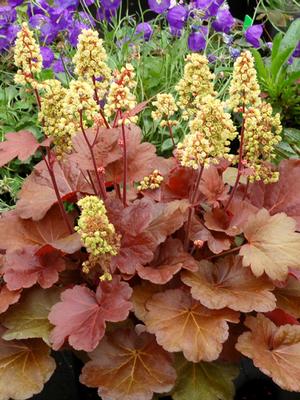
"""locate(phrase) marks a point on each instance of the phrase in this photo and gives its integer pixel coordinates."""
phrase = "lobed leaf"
(181, 323)
(21, 144)
(227, 284)
(8, 297)
(209, 381)
(24, 368)
(273, 245)
(29, 318)
(274, 350)
(288, 297)
(128, 366)
(81, 314)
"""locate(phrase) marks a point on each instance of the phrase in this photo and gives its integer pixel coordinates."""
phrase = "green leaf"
(204, 381)
(292, 135)
(276, 43)
(284, 150)
(29, 319)
(279, 62)
(292, 36)
(167, 145)
(261, 69)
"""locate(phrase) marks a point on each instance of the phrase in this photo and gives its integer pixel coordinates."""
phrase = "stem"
(118, 191)
(99, 180)
(59, 200)
(240, 165)
(98, 102)
(171, 134)
(125, 166)
(92, 182)
(191, 209)
(224, 253)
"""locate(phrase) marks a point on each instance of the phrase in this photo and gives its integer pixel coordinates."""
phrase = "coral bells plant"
(164, 271)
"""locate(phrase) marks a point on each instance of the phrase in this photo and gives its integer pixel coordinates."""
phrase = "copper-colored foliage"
(8, 297)
(274, 350)
(81, 315)
(128, 366)
(25, 365)
(273, 245)
(288, 297)
(170, 259)
(228, 284)
(283, 196)
(181, 323)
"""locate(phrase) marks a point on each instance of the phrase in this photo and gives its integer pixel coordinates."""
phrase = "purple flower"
(253, 35)
(49, 32)
(74, 31)
(297, 51)
(86, 18)
(71, 5)
(8, 15)
(7, 36)
(38, 20)
(197, 40)
(58, 66)
(145, 30)
(110, 4)
(159, 6)
(177, 16)
(15, 3)
(224, 21)
(234, 52)
(105, 14)
(48, 56)
(210, 7)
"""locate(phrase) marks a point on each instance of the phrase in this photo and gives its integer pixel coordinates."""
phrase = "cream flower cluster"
(195, 84)
(97, 233)
(261, 133)
(244, 90)
(211, 132)
(80, 99)
(165, 109)
(120, 97)
(54, 120)
(27, 57)
(91, 61)
(153, 181)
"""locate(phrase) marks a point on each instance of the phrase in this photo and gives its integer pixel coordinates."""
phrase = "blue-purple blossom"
(253, 35)
(297, 51)
(110, 4)
(47, 55)
(209, 7)
(159, 6)
(8, 15)
(145, 30)
(234, 52)
(14, 3)
(175, 31)
(224, 21)
(177, 16)
(197, 40)
(7, 36)
(74, 31)
(105, 14)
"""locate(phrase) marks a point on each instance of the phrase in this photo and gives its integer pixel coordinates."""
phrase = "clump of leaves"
(153, 271)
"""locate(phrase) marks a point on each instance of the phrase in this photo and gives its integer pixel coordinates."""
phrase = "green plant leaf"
(292, 36)
(207, 381)
(292, 135)
(276, 43)
(261, 69)
(280, 61)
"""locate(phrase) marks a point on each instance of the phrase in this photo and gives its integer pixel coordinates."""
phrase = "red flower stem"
(100, 184)
(92, 182)
(116, 119)
(98, 102)
(118, 191)
(54, 183)
(246, 190)
(125, 165)
(171, 134)
(191, 209)
(240, 164)
(224, 253)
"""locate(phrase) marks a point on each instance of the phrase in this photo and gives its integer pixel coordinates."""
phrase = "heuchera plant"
(165, 271)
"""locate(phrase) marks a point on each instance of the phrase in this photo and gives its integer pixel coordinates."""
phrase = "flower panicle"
(244, 90)
(210, 134)
(152, 182)
(261, 134)
(55, 122)
(197, 82)
(97, 233)
(166, 107)
(120, 98)
(90, 61)
(27, 57)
